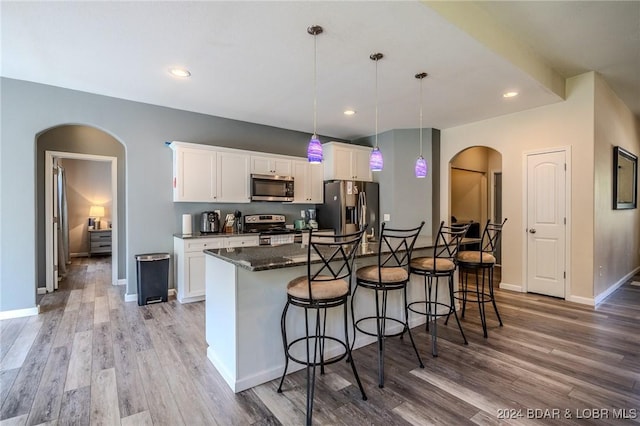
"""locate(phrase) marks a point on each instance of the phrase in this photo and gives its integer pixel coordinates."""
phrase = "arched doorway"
(475, 189)
(97, 157)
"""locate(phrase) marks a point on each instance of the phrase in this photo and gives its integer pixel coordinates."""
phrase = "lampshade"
(96, 211)
(314, 150)
(421, 167)
(375, 160)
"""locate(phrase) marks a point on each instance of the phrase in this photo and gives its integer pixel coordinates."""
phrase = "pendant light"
(375, 159)
(314, 150)
(421, 163)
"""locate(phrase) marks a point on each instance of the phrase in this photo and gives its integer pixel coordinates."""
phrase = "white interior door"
(546, 223)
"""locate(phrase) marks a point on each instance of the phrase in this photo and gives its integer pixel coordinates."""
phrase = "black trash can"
(153, 277)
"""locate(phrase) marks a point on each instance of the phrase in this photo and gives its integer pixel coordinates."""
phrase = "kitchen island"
(245, 296)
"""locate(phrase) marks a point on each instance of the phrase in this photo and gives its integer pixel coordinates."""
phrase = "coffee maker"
(311, 219)
(209, 223)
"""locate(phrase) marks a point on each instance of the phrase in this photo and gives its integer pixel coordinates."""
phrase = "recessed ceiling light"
(349, 112)
(179, 72)
(510, 94)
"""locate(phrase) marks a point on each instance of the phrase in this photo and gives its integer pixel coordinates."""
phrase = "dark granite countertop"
(216, 235)
(233, 234)
(286, 255)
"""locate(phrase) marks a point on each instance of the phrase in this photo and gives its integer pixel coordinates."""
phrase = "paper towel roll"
(186, 224)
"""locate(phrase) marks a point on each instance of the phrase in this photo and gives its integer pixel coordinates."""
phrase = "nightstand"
(99, 241)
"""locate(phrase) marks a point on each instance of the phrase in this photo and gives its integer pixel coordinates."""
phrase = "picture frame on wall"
(625, 179)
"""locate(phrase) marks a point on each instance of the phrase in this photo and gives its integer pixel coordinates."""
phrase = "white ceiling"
(253, 61)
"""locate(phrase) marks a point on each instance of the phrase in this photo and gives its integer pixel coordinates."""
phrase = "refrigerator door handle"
(362, 209)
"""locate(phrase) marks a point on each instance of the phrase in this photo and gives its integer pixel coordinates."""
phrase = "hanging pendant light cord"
(315, 85)
(377, 103)
(421, 117)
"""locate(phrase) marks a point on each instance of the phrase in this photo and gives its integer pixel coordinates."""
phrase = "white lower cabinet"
(189, 258)
(189, 263)
(242, 241)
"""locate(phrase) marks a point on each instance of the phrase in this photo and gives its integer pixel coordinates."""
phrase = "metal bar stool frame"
(395, 247)
(336, 262)
(483, 261)
(441, 265)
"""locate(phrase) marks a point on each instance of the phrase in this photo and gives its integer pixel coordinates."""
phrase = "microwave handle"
(272, 177)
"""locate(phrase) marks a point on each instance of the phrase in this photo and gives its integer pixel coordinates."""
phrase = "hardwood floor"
(90, 358)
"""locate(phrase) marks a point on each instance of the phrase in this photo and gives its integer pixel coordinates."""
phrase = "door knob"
(532, 231)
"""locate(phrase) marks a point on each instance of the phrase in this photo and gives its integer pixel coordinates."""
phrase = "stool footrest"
(472, 296)
(433, 313)
(318, 363)
(395, 320)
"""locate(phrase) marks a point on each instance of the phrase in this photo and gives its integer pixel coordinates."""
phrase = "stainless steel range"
(271, 229)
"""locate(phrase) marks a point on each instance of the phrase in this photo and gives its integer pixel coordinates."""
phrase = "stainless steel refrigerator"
(349, 205)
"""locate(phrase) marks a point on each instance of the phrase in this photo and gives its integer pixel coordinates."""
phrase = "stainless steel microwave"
(271, 188)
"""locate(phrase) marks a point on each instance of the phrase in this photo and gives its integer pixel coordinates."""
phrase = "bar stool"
(441, 265)
(483, 261)
(327, 287)
(391, 272)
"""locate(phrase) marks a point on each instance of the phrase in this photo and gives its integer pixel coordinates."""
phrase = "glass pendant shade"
(375, 160)
(314, 150)
(421, 167)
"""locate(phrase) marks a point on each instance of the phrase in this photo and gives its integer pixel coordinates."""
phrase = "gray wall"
(407, 199)
(83, 140)
(147, 215)
(151, 217)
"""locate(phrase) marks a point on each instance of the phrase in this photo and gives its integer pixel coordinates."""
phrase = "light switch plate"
(387, 217)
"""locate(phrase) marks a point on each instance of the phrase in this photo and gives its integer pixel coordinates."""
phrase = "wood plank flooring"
(90, 358)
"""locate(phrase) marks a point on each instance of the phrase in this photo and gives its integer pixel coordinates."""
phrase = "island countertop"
(287, 255)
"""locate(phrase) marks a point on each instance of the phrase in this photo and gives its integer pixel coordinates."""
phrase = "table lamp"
(96, 212)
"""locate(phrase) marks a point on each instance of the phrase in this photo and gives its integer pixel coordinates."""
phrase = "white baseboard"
(188, 299)
(238, 384)
(131, 297)
(600, 298)
(172, 292)
(581, 300)
(42, 290)
(81, 254)
(512, 287)
(19, 313)
(122, 281)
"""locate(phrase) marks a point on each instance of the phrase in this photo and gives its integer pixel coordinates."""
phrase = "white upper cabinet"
(270, 165)
(194, 174)
(206, 174)
(346, 162)
(308, 182)
(233, 177)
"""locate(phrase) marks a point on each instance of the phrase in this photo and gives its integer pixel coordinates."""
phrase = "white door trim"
(48, 177)
(567, 229)
(492, 193)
